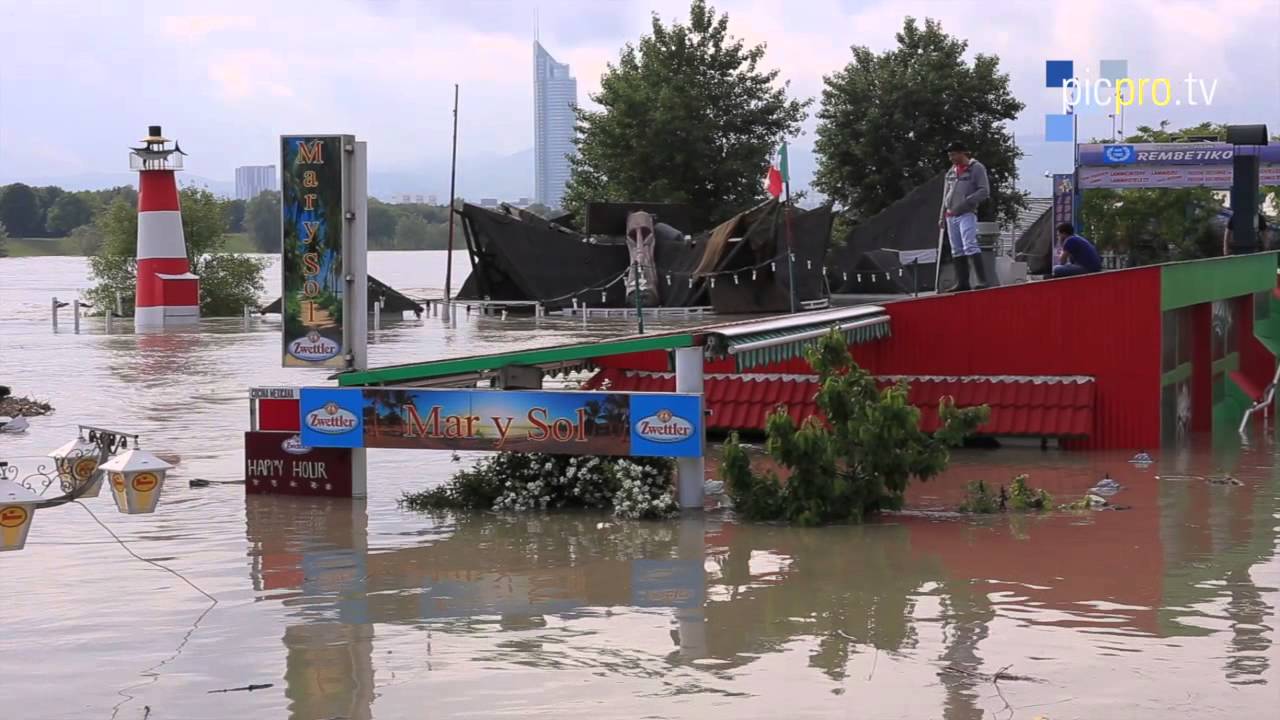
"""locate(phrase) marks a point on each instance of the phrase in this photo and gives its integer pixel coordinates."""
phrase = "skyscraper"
(555, 93)
(251, 180)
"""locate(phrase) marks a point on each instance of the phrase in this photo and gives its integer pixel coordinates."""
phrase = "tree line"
(52, 212)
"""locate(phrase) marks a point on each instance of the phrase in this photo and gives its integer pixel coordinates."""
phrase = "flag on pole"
(778, 173)
(775, 181)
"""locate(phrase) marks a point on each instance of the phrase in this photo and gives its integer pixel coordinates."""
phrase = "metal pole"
(791, 254)
(108, 315)
(453, 176)
(119, 304)
(377, 315)
(639, 308)
(75, 315)
(691, 472)
(356, 302)
(55, 313)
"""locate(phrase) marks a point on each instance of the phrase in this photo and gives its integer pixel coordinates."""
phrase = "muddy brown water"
(357, 609)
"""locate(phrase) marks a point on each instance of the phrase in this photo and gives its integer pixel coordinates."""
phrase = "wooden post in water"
(55, 313)
(75, 315)
(453, 176)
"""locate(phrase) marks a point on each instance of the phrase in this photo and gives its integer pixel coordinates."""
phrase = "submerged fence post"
(377, 314)
(55, 313)
(75, 316)
(119, 304)
(107, 317)
(246, 317)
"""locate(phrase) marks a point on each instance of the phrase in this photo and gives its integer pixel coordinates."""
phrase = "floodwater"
(358, 609)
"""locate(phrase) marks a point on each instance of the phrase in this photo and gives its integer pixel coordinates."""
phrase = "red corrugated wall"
(1106, 326)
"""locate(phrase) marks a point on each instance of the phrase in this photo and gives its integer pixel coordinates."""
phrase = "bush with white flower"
(633, 488)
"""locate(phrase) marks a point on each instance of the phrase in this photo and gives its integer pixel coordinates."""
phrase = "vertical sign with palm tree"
(311, 203)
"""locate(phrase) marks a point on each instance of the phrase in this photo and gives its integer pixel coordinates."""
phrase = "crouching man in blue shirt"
(1078, 257)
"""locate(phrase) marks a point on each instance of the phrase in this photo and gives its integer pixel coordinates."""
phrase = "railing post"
(54, 305)
(75, 316)
(377, 314)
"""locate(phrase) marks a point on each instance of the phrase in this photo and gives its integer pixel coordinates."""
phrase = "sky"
(80, 81)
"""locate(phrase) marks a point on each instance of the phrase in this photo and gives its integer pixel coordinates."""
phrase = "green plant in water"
(855, 460)
(1023, 497)
(1020, 497)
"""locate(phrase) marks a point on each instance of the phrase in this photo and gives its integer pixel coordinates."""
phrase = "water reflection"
(917, 592)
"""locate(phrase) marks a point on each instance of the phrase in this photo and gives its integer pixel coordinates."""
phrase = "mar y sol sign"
(570, 422)
(313, 207)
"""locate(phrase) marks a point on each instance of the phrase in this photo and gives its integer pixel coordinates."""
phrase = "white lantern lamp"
(137, 478)
(77, 464)
(17, 506)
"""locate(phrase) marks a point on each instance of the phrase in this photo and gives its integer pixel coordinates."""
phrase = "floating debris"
(23, 407)
(1106, 487)
(13, 425)
(713, 487)
(1142, 458)
(246, 688)
(1225, 480)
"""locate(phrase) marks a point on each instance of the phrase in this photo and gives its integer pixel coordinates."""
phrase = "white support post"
(356, 299)
(107, 316)
(54, 304)
(691, 472)
(119, 304)
(75, 315)
(377, 315)
(247, 316)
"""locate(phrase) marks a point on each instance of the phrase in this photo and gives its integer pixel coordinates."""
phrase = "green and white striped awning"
(762, 342)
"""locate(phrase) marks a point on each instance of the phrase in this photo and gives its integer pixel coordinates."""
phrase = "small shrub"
(1020, 497)
(979, 499)
(856, 459)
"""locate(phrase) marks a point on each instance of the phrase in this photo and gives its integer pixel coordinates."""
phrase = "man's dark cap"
(957, 146)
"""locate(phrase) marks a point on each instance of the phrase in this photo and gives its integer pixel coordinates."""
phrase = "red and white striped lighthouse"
(168, 294)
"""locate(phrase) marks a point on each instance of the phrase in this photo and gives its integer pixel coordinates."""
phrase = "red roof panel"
(1050, 407)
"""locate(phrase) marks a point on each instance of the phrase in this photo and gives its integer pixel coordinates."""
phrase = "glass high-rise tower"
(555, 93)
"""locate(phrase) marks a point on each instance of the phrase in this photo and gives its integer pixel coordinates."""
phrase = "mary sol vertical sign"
(312, 203)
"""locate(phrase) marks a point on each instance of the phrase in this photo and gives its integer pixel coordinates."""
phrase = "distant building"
(555, 93)
(251, 180)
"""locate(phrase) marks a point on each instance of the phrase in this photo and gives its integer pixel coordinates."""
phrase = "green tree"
(1179, 221)
(69, 211)
(262, 220)
(886, 119)
(20, 211)
(686, 115)
(411, 233)
(228, 281)
(382, 224)
(235, 211)
(88, 239)
(855, 460)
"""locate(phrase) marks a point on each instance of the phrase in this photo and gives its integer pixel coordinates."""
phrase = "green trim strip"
(482, 363)
(1178, 374)
(1201, 281)
(1229, 363)
(787, 351)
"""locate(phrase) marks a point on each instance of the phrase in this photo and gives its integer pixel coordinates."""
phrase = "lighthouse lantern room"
(168, 293)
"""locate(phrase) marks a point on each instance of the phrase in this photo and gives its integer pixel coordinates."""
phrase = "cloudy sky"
(79, 81)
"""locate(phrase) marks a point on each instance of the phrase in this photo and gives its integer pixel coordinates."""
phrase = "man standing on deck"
(1078, 257)
(966, 187)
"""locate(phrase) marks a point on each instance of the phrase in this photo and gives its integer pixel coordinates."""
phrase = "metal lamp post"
(79, 467)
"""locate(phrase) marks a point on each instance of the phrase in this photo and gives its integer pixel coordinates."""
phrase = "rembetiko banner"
(1170, 165)
(569, 422)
